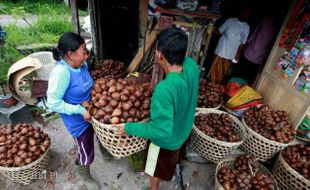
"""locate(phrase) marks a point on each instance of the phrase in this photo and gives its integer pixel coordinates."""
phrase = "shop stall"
(284, 82)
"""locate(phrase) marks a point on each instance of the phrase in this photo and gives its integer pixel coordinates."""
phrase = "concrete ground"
(17, 20)
(113, 175)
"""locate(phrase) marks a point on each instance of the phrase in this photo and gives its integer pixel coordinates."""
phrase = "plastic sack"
(2, 35)
(193, 156)
(240, 97)
(246, 97)
(136, 161)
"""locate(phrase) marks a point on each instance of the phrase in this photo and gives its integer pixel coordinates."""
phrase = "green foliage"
(53, 19)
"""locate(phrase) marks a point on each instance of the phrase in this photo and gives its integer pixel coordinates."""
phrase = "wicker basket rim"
(291, 170)
(101, 129)
(110, 126)
(211, 110)
(103, 125)
(215, 140)
(231, 159)
(13, 169)
(262, 137)
(216, 108)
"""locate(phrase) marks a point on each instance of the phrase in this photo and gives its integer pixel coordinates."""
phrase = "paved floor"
(114, 175)
(17, 20)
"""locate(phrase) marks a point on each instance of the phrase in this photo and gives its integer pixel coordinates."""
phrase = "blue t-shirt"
(67, 89)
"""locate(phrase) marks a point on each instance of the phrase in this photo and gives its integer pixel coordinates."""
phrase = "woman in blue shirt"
(70, 83)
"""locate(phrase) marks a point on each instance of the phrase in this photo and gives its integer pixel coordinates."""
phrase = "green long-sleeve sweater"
(172, 109)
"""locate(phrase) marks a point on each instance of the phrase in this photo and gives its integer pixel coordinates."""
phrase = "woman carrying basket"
(70, 83)
(172, 108)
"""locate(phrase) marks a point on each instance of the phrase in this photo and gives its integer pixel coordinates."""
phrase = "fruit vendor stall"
(284, 82)
(247, 136)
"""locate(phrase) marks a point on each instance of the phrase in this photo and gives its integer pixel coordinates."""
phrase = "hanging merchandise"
(303, 81)
(292, 30)
(296, 57)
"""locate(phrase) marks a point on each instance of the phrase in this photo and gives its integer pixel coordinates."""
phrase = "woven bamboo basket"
(213, 149)
(118, 146)
(47, 61)
(261, 147)
(25, 174)
(287, 177)
(229, 163)
(216, 108)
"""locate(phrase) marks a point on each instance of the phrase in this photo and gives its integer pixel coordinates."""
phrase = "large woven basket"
(229, 163)
(261, 147)
(25, 174)
(118, 146)
(287, 177)
(216, 108)
(213, 149)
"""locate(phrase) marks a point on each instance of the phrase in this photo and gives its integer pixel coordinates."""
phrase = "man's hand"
(86, 116)
(120, 129)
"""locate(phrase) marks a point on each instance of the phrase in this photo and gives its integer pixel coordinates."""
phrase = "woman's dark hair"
(68, 41)
(172, 43)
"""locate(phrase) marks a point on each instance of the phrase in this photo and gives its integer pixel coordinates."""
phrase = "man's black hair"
(69, 41)
(172, 43)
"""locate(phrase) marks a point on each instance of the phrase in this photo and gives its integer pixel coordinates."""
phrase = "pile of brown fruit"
(21, 144)
(298, 157)
(244, 175)
(115, 101)
(108, 69)
(210, 94)
(218, 126)
(274, 125)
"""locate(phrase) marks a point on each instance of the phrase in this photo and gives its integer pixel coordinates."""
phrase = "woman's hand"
(86, 116)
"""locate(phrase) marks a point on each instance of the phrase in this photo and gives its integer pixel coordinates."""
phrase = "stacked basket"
(201, 109)
(25, 174)
(213, 149)
(287, 177)
(118, 146)
(229, 162)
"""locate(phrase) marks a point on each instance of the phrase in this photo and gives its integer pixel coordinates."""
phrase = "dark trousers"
(85, 146)
(245, 69)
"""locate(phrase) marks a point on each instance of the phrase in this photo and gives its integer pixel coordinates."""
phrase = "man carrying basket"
(172, 108)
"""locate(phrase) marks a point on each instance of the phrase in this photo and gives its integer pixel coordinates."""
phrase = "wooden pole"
(75, 16)
(207, 43)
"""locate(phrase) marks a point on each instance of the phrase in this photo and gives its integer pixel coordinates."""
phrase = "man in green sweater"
(172, 108)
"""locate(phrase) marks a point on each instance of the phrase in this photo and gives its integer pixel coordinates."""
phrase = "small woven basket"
(229, 163)
(118, 146)
(213, 149)
(25, 174)
(261, 147)
(287, 177)
(48, 63)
